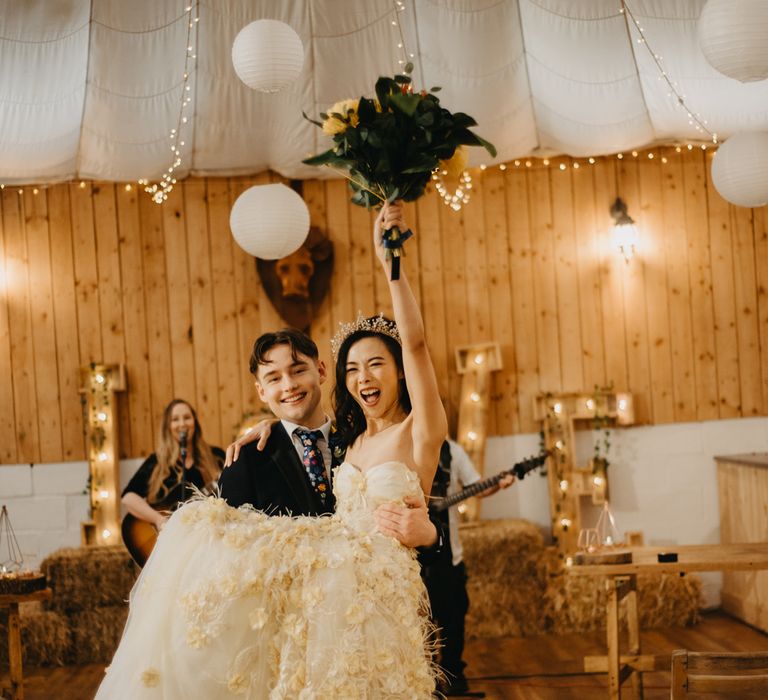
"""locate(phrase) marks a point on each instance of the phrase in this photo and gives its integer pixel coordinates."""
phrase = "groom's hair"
(298, 342)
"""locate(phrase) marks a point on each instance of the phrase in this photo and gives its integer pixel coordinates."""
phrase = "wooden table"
(622, 583)
(11, 601)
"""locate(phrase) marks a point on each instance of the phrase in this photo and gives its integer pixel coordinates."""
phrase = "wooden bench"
(719, 672)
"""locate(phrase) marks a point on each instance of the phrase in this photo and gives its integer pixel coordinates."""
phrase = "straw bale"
(96, 634)
(507, 577)
(518, 587)
(45, 638)
(577, 603)
(87, 577)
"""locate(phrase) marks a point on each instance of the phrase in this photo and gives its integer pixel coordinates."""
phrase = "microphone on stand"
(183, 458)
(183, 446)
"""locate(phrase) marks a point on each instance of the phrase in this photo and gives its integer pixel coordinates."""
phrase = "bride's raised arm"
(429, 427)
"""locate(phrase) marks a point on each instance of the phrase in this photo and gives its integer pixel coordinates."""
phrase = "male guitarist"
(446, 577)
(289, 472)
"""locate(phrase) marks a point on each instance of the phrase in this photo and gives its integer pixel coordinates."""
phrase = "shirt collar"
(325, 428)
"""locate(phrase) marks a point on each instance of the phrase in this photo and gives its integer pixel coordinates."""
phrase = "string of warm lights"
(460, 195)
(101, 383)
(694, 118)
(160, 190)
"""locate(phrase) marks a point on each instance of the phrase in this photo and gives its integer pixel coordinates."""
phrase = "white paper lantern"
(740, 169)
(269, 221)
(733, 34)
(267, 55)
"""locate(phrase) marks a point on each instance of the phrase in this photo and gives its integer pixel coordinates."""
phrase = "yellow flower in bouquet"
(341, 115)
(456, 164)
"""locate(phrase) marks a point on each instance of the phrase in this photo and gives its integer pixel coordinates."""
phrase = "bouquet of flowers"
(389, 146)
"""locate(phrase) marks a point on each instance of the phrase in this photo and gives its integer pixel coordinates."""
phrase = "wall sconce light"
(624, 230)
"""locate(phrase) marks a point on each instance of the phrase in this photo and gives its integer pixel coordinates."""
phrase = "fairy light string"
(159, 191)
(460, 195)
(694, 118)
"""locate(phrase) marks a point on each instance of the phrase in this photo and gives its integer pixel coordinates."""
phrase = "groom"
(291, 476)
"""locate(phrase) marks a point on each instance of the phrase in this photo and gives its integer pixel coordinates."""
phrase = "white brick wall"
(662, 481)
(46, 504)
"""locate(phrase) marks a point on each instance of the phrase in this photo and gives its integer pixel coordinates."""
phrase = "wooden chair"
(719, 672)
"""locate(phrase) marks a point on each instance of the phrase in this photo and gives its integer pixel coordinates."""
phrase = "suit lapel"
(288, 463)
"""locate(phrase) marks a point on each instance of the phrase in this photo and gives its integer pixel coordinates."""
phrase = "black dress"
(139, 482)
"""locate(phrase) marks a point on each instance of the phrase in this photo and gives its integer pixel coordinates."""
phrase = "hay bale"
(577, 603)
(518, 587)
(45, 638)
(507, 578)
(96, 634)
(87, 577)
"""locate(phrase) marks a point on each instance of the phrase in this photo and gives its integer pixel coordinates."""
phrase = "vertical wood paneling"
(156, 304)
(43, 328)
(544, 285)
(86, 273)
(455, 291)
(700, 275)
(656, 296)
(111, 302)
(723, 295)
(612, 270)
(143, 429)
(635, 311)
(523, 299)
(100, 273)
(225, 312)
(20, 322)
(435, 322)
(203, 314)
(681, 332)
(750, 371)
(8, 281)
(761, 256)
(567, 281)
(65, 316)
(179, 305)
(588, 262)
(500, 303)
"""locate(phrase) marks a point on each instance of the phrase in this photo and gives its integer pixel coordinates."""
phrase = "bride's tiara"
(372, 324)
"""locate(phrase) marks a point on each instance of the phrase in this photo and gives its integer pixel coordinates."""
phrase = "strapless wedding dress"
(235, 603)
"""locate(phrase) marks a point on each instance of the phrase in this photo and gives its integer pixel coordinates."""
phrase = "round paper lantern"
(267, 55)
(733, 34)
(269, 221)
(740, 169)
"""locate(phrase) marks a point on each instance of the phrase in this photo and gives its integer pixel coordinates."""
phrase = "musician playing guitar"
(160, 483)
(446, 580)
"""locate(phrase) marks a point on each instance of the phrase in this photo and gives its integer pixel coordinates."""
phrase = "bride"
(236, 603)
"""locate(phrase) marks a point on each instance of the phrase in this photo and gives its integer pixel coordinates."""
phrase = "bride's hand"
(391, 215)
(261, 432)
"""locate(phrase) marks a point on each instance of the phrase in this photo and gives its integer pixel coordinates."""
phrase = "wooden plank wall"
(97, 272)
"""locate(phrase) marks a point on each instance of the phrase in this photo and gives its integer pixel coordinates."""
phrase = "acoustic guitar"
(519, 471)
(139, 537)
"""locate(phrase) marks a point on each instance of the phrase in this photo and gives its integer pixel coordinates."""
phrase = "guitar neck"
(469, 491)
(519, 470)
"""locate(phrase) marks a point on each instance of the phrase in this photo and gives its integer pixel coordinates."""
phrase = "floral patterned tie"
(313, 460)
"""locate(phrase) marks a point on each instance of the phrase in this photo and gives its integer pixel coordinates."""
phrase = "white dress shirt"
(463, 473)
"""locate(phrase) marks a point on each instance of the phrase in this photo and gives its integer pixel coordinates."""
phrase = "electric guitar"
(519, 471)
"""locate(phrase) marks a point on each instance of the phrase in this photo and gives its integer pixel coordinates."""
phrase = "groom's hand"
(410, 524)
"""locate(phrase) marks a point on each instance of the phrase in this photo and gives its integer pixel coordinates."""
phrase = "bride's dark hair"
(350, 419)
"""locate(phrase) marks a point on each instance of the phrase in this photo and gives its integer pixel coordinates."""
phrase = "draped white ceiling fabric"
(91, 88)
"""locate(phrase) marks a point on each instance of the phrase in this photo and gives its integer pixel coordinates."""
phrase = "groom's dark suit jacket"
(276, 482)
